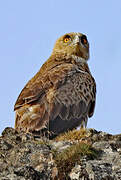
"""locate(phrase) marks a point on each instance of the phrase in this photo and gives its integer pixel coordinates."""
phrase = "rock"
(89, 155)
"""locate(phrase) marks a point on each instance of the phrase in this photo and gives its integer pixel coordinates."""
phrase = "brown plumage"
(61, 96)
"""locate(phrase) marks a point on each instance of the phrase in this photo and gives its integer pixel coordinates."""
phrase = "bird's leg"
(84, 122)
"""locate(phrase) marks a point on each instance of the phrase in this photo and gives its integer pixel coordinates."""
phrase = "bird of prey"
(62, 95)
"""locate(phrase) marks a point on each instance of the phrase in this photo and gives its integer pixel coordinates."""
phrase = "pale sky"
(28, 30)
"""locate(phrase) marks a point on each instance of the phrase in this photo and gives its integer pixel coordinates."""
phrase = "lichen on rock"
(78, 154)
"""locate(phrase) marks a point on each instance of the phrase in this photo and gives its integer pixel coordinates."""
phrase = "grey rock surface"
(24, 157)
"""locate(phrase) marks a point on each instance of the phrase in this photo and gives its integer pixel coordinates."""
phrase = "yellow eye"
(67, 38)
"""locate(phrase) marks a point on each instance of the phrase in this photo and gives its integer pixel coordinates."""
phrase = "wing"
(33, 90)
(34, 104)
(42, 81)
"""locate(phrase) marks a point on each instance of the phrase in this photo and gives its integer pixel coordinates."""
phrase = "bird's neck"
(59, 58)
(79, 59)
(81, 63)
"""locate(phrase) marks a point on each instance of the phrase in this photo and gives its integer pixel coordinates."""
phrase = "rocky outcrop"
(86, 155)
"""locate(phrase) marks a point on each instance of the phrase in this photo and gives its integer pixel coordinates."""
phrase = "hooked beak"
(77, 40)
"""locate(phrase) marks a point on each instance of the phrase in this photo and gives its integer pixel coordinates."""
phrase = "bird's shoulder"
(51, 73)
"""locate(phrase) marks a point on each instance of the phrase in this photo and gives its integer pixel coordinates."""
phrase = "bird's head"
(73, 44)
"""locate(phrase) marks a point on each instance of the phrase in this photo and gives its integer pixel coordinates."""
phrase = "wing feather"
(42, 81)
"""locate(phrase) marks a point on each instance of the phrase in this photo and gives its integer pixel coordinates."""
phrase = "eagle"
(62, 94)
